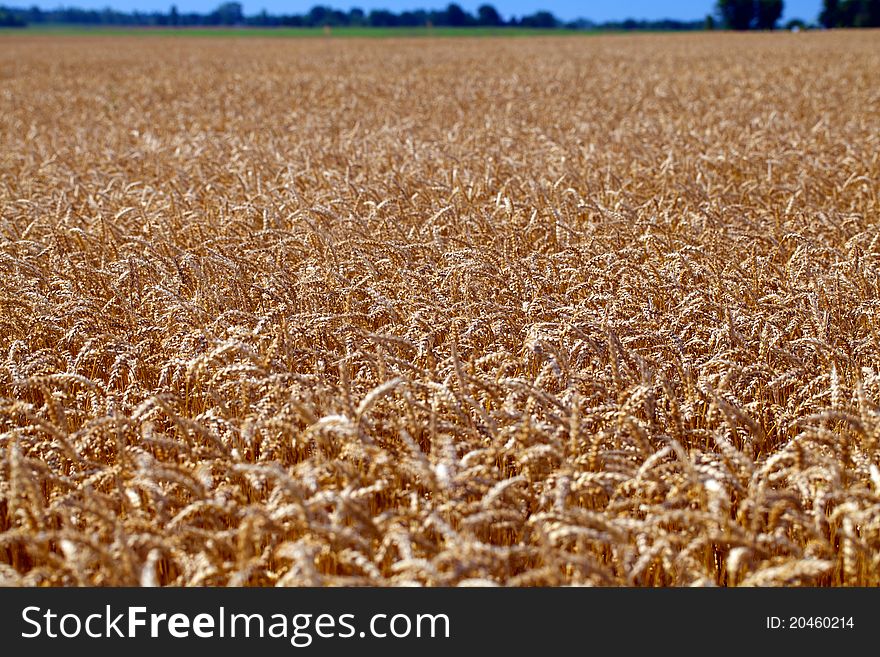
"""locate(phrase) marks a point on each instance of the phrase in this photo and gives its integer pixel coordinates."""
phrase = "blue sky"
(598, 10)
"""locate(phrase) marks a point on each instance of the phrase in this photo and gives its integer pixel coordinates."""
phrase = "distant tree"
(229, 13)
(581, 24)
(34, 15)
(318, 16)
(293, 20)
(845, 15)
(868, 14)
(767, 14)
(488, 15)
(8, 19)
(541, 20)
(173, 16)
(356, 16)
(709, 23)
(456, 16)
(382, 18)
(795, 24)
(262, 19)
(736, 14)
(830, 13)
(412, 18)
(850, 13)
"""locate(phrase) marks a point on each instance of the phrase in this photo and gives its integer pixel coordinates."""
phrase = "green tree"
(540, 19)
(830, 13)
(847, 13)
(868, 14)
(736, 14)
(8, 19)
(229, 13)
(768, 13)
(456, 16)
(850, 13)
(488, 15)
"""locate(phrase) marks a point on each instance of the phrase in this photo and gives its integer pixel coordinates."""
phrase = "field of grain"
(546, 311)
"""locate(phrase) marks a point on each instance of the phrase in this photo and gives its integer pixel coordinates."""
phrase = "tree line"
(750, 14)
(730, 14)
(232, 14)
(850, 13)
(764, 14)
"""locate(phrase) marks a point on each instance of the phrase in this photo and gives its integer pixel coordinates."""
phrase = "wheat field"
(527, 312)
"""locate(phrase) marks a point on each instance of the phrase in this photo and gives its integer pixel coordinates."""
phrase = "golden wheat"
(523, 312)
